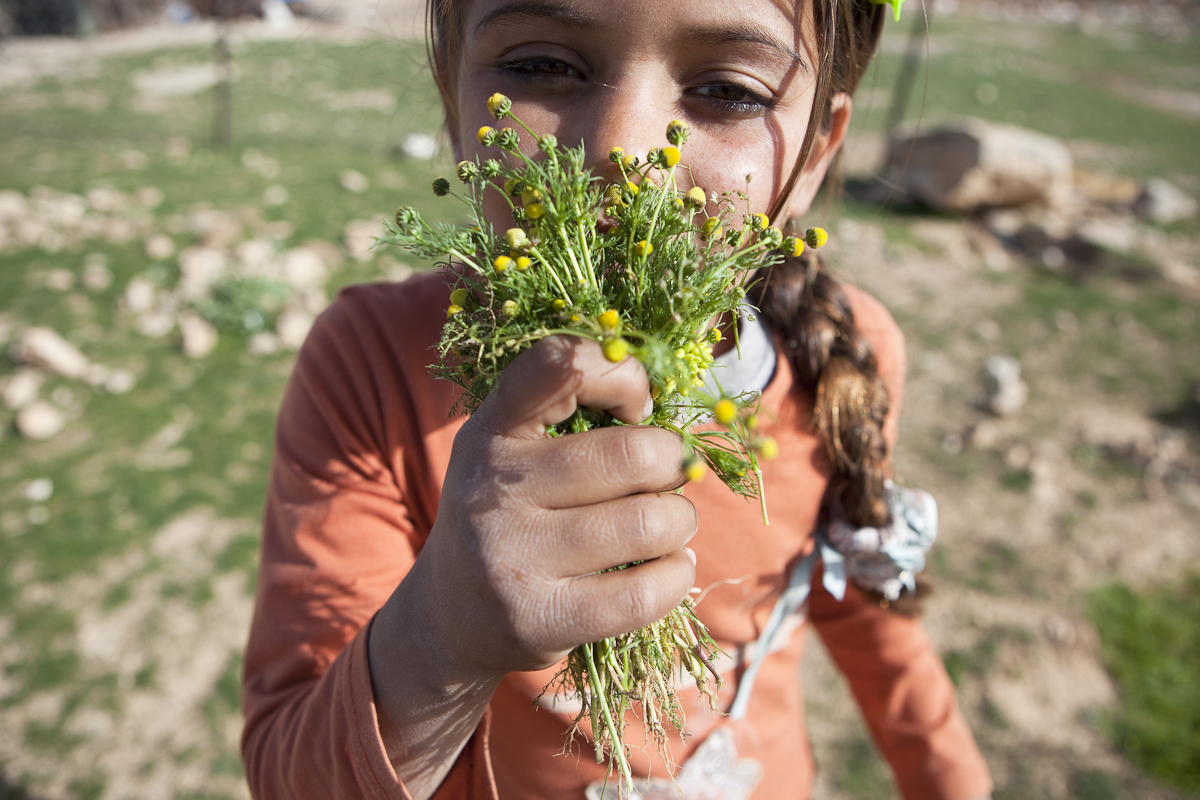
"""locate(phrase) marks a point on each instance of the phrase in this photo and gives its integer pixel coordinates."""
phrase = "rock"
(1181, 275)
(44, 348)
(151, 196)
(160, 246)
(303, 268)
(199, 335)
(139, 295)
(975, 165)
(354, 181)
(199, 269)
(359, 235)
(12, 205)
(107, 200)
(119, 381)
(1098, 188)
(263, 344)
(1163, 202)
(40, 420)
(257, 257)
(21, 388)
(1006, 392)
(38, 490)
(96, 275)
(419, 145)
(276, 195)
(293, 327)
(156, 324)
(59, 280)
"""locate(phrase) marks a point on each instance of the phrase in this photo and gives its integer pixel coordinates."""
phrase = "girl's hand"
(508, 579)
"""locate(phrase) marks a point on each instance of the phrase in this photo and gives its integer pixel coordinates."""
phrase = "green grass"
(1151, 645)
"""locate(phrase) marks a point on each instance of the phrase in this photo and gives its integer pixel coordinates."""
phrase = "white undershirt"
(750, 365)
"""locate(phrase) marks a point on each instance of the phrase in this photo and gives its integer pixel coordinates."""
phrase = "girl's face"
(615, 72)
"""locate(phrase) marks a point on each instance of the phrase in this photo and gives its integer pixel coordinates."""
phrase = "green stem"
(618, 750)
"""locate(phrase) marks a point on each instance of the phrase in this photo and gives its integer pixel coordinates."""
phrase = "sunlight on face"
(615, 72)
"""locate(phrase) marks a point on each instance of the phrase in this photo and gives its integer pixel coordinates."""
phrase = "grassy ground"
(147, 545)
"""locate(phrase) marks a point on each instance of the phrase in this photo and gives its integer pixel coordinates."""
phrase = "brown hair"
(798, 299)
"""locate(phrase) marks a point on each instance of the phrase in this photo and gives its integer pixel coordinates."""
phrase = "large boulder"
(975, 165)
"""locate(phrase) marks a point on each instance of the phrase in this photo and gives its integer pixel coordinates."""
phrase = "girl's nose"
(630, 114)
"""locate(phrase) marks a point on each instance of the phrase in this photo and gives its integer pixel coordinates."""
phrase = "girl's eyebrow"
(539, 9)
(744, 32)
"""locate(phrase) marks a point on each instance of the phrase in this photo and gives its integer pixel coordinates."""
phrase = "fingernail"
(690, 554)
(648, 411)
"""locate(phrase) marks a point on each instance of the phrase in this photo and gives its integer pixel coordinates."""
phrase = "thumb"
(546, 383)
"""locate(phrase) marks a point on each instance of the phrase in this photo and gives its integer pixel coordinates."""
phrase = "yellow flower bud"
(677, 132)
(768, 448)
(459, 296)
(510, 308)
(670, 156)
(486, 136)
(502, 263)
(452, 310)
(523, 263)
(629, 162)
(609, 320)
(531, 196)
(711, 229)
(816, 237)
(724, 411)
(694, 469)
(615, 349)
(559, 304)
(752, 422)
(632, 188)
(643, 248)
(616, 154)
(714, 335)
(695, 197)
(793, 247)
(535, 210)
(515, 237)
(759, 222)
(499, 106)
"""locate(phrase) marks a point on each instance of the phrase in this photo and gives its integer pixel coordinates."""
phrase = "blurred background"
(184, 186)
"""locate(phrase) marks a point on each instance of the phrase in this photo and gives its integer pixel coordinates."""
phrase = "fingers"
(587, 539)
(603, 464)
(548, 382)
(611, 603)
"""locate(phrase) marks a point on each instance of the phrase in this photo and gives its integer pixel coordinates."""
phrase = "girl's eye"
(538, 69)
(733, 98)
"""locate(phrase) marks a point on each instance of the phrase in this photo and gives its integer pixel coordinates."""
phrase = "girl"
(422, 575)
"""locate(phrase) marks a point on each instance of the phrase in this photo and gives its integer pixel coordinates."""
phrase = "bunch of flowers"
(641, 267)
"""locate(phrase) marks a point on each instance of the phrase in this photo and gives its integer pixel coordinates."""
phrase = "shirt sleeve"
(894, 673)
(338, 538)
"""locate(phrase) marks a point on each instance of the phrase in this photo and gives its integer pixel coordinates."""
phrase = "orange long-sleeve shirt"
(362, 444)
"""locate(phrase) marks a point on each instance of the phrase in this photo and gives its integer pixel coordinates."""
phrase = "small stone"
(263, 344)
(139, 295)
(354, 181)
(1007, 393)
(60, 280)
(293, 327)
(120, 381)
(276, 195)
(96, 276)
(40, 420)
(1018, 457)
(38, 490)
(43, 347)
(156, 324)
(1163, 202)
(160, 246)
(12, 205)
(199, 269)
(303, 268)
(21, 389)
(107, 200)
(419, 145)
(199, 335)
(150, 196)
(359, 235)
